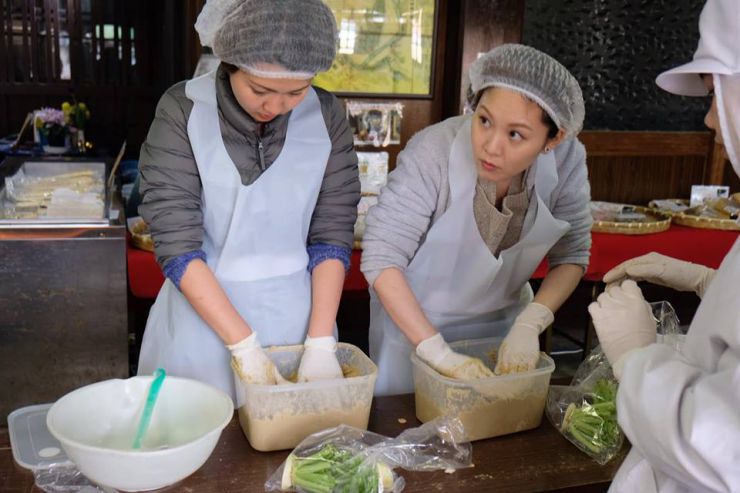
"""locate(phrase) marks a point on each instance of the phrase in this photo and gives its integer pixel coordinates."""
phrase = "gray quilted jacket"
(171, 187)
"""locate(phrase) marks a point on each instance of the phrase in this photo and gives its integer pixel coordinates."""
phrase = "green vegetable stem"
(332, 470)
(594, 425)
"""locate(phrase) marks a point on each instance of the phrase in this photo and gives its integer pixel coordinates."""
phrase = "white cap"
(718, 51)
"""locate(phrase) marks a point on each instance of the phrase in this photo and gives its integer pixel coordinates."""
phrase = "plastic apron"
(254, 241)
(465, 291)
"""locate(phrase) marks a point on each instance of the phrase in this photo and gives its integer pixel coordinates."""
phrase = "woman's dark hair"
(552, 129)
(229, 67)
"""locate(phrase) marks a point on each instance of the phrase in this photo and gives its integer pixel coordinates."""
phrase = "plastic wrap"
(64, 478)
(346, 459)
(585, 412)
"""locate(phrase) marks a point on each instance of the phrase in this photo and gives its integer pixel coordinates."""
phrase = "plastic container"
(32, 445)
(278, 417)
(96, 426)
(488, 407)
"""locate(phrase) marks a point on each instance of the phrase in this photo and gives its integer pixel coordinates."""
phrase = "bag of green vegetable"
(349, 460)
(585, 412)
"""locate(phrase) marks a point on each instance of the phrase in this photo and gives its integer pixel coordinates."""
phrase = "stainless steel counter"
(63, 320)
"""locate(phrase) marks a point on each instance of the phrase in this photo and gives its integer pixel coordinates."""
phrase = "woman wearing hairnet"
(681, 409)
(250, 188)
(473, 206)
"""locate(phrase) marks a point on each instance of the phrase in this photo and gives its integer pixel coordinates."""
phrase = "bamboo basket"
(705, 222)
(140, 236)
(701, 222)
(661, 223)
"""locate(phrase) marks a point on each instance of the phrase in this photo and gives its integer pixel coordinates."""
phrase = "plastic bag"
(670, 331)
(585, 412)
(346, 459)
(63, 478)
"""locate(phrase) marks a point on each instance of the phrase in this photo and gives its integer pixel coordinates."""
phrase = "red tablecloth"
(703, 246)
(144, 275)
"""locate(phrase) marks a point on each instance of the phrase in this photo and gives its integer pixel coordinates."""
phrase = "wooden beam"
(487, 24)
(647, 143)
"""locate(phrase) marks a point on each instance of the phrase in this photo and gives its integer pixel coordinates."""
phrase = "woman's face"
(507, 134)
(264, 98)
(711, 120)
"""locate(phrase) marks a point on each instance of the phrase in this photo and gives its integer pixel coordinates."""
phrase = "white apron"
(254, 241)
(465, 291)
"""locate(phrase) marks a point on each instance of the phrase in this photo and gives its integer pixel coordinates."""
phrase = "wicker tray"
(140, 236)
(660, 222)
(694, 221)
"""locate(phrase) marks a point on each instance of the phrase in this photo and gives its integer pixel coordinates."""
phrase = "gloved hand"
(251, 364)
(664, 271)
(438, 354)
(623, 322)
(520, 350)
(319, 361)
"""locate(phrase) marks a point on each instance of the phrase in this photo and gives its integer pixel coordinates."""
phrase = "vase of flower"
(53, 130)
(77, 115)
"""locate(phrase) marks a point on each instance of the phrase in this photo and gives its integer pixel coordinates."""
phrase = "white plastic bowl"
(96, 426)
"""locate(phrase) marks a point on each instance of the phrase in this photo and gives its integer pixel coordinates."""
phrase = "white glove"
(623, 322)
(664, 271)
(520, 350)
(438, 354)
(251, 364)
(319, 361)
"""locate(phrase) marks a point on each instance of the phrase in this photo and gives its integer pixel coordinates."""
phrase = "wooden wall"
(636, 167)
(148, 48)
(625, 166)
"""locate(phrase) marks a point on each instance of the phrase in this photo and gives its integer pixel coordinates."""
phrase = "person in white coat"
(265, 154)
(474, 205)
(680, 409)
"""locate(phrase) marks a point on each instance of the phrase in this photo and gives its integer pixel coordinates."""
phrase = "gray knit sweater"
(418, 193)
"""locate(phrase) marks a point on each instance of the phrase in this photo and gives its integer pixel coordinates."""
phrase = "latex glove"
(319, 361)
(438, 354)
(623, 322)
(520, 349)
(664, 271)
(251, 364)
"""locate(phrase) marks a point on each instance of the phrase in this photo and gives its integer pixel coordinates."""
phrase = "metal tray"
(44, 169)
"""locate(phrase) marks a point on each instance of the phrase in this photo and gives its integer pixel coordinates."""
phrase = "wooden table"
(535, 460)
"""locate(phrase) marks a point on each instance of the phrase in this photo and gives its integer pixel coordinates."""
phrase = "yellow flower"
(82, 106)
(66, 106)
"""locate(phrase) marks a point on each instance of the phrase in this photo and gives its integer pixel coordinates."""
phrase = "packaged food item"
(350, 460)
(585, 412)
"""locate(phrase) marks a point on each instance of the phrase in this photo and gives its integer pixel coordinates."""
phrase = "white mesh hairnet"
(536, 75)
(298, 35)
(211, 17)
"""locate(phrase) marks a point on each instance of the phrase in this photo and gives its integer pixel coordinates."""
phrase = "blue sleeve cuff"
(175, 268)
(318, 252)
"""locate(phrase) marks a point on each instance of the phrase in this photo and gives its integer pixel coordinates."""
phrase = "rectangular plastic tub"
(488, 407)
(277, 417)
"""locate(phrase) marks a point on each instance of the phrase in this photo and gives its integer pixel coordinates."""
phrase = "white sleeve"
(685, 420)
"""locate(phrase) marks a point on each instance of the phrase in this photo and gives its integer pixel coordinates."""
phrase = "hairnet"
(536, 75)
(298, 35)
